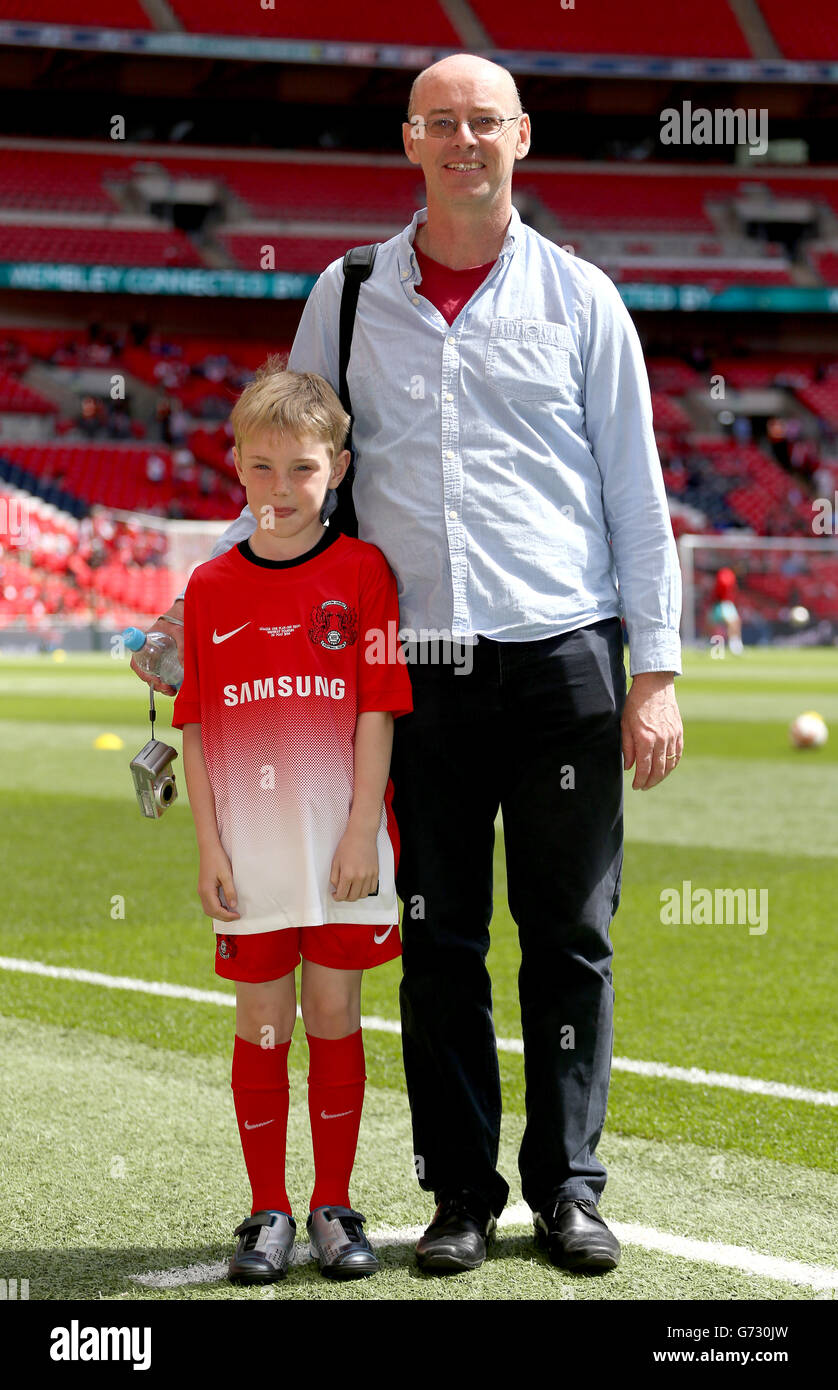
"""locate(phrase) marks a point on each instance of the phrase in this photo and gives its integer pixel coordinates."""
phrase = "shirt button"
(452, 516)
(405, 274)
(452, 340)
(450, 454)
(415, 299)
(449, 395)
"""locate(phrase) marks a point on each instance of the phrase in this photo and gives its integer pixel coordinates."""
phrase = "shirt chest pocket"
(529, 359)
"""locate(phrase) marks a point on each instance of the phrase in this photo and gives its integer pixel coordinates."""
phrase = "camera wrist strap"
(151, 710)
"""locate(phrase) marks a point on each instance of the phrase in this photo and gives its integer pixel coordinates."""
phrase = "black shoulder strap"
(357, 267)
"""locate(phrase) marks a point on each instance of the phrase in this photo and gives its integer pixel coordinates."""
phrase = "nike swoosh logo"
(260, 1125)
(216, 639)
(379, 940)
(339, 1115)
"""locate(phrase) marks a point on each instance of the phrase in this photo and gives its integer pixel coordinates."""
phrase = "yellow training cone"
(108, 741)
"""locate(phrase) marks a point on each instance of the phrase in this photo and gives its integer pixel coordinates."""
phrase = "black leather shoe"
(576, 1237)
(457, 1238)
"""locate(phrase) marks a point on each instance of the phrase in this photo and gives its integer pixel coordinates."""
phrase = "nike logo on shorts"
(339, 1115)
(260, 1125)
(379, 940)
(216, 639)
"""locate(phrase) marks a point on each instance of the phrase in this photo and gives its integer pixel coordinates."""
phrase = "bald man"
(506, 466)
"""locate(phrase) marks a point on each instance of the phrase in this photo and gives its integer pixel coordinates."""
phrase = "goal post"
(786, 587)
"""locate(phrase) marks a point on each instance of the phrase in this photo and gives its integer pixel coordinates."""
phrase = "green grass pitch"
(121, 1152)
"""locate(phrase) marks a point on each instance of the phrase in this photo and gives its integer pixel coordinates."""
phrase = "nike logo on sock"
(260, 1125)
(339, 1115)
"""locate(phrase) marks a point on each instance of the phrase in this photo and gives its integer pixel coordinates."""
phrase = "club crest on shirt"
(334, 625)
(226, 947)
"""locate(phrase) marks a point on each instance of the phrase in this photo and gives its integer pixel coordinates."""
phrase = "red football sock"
(260, 1094)
(335, 1099)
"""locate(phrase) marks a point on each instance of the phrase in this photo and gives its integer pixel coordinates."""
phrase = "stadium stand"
(824, 261)
(806, 30)
(112, 245)
(611, 26)
(376, 21)
(36, 176)
(107, 14)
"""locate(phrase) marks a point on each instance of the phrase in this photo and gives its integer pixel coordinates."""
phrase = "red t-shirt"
(279, 661)
(449, 290)
(725, 590)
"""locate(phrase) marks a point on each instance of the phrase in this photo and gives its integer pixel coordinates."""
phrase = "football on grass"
(808, 730)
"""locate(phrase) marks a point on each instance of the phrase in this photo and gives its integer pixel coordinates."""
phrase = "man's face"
(464, 168)
(286, 479)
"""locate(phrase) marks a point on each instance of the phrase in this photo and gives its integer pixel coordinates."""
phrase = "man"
(506, 467)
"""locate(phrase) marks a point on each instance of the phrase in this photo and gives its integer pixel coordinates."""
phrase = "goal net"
(784, 590)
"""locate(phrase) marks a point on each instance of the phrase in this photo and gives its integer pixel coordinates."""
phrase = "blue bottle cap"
(133, 638)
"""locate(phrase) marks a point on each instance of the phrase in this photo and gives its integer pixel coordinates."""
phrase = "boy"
(287, 712)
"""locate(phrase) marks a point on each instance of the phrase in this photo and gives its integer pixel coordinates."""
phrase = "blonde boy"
(287, 708)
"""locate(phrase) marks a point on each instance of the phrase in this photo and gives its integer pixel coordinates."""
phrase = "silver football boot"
(338, 1243)
(263, 1253)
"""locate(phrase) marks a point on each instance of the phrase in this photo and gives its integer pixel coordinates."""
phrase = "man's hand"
(653, 735)
(174, 630)
(354, 871)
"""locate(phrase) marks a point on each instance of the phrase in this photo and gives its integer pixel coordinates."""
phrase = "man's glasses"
(440, 127)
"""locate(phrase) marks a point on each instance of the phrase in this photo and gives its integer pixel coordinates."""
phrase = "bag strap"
(357, 267)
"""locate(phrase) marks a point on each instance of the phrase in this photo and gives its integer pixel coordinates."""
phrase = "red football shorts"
(269, 955)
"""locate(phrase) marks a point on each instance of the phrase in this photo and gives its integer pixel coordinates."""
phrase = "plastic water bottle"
(156, 654)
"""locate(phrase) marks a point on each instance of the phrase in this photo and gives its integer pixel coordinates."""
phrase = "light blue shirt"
(505, 465)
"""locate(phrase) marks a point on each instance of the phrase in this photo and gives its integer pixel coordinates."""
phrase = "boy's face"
(286, 478)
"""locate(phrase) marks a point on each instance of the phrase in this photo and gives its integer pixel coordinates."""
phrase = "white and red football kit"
(280, 658)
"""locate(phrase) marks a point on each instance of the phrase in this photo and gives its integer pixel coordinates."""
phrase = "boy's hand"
(174, 630)
(354, 871)
(215, 872)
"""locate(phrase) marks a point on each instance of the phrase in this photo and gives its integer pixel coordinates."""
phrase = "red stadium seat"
(376, 21)
(806, 29)
(612, 26)
(96, 245)
(106, 14)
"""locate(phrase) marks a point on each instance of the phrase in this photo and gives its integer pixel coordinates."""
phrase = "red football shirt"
(280, 657)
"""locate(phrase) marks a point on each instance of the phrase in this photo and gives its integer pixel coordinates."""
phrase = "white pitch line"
(693, 1076)
(738, 1257)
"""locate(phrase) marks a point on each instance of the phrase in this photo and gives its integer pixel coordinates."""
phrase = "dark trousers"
(535, 730)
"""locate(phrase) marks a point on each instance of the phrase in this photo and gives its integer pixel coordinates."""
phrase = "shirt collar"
(408, 266)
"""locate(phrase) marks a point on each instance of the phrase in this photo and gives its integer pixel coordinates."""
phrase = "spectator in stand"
(215, 368)
(184, 469)
(119, 420)
(824, 481)
(171, 374)
(91, 421)
(742, 429)
(163, 416)
(179, 424)
(155, 468)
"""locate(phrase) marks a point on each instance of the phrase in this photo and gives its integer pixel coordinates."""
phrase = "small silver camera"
(153, 781)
